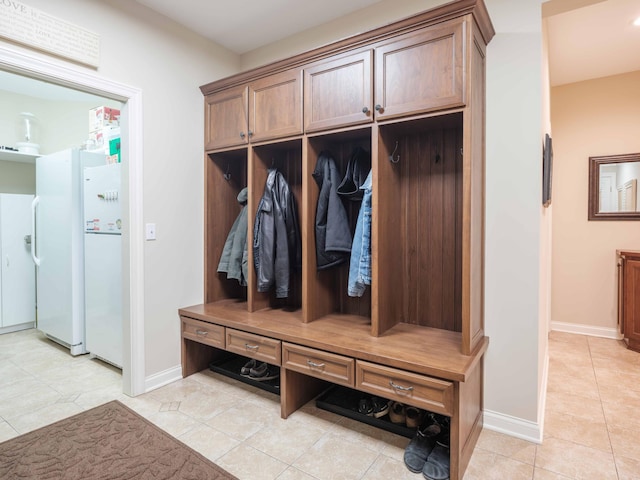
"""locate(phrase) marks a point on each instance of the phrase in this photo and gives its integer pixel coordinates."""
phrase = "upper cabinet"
(420, 71)
(338, 92)
(275, 106)
(267, 108)
(225, 116)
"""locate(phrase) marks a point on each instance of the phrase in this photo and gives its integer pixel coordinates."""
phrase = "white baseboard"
(604, 332)
(515, 427)
(17, 328)
(163, 378)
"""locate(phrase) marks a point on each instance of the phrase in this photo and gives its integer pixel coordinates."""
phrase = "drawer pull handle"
(251, 347)
(202, 333)
(400, 387)
(315, 365)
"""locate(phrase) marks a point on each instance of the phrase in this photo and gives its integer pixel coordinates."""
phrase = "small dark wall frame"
(594, 187)
(547, 170)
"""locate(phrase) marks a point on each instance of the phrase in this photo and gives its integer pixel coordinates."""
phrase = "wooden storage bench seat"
(340, 350)
(411, 94)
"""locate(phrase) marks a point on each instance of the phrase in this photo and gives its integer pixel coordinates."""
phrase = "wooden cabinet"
(226, 118)
(629, 297)
(417, 332)
(339, 92)
(203, 332)
(429, 393)
(316, 363)
(421, 71)
(275, 106)
(254, 346)
(269, 107)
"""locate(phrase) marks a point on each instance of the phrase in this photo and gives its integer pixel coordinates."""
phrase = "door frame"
(72, 76)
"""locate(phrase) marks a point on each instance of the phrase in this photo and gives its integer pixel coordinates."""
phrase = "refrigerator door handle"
(34, 206)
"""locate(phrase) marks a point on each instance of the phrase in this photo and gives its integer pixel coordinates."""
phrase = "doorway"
(79, 79)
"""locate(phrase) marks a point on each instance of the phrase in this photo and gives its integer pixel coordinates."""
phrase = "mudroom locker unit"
(412, 93)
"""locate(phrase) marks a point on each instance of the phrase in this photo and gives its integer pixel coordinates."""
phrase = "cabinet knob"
(242, 135)
(365, 109)
(379, 108)
(250, 133)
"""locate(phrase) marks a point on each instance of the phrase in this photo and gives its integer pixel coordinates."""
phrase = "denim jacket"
(360, 266)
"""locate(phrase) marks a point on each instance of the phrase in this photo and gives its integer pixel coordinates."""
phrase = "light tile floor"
(591, 427)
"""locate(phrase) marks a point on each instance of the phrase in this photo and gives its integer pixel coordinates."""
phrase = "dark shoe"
(263, 372)
(365, 407)
(420, 447)
(437, 465)
(415, 416)
(245, 371)
(380, 406)
(397, 413)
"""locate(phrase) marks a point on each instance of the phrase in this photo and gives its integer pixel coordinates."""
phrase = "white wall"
(517, 228)
(168, 63)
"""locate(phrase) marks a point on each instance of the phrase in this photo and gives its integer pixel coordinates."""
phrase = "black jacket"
(277, 247)
(333, 234)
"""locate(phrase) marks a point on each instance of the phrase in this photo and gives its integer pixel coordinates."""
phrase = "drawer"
(254, 346)
(420, 391)
(316, 363)
(203, 332)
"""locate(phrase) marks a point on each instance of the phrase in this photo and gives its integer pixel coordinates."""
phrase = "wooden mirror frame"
(594, 190)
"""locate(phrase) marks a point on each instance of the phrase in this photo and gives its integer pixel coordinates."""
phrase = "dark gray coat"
(333, 234)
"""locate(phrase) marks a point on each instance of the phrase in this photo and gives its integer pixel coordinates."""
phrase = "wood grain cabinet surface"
(275, 106)
(337, 369)
(339, 92)
(226, 118)
(629, 297)
(269, 107)
(254, 346)
(420, 71)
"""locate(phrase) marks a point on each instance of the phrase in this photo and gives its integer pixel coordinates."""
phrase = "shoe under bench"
(414, 365)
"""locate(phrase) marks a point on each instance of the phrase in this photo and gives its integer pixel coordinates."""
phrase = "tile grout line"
(606, 423)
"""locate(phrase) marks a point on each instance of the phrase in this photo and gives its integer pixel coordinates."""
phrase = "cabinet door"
(226, 118)
(420, 72)
(275, 106)
(632, 302)
(338, 93)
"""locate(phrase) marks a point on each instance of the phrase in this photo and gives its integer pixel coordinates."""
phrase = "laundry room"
(60, 216)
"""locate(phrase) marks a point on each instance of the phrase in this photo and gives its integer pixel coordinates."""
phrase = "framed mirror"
(613, 187)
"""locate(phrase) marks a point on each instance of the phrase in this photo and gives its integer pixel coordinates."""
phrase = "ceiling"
(594, 41)
(586, 42)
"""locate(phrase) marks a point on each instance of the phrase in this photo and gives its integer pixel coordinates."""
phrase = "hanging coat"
(277, 246)
(234, 258)
(333, 234)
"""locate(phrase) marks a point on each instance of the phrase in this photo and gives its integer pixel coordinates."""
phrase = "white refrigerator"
(58, 245)
(17, 273)
(103, 262)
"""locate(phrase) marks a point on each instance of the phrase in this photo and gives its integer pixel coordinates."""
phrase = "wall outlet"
(150, 231)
